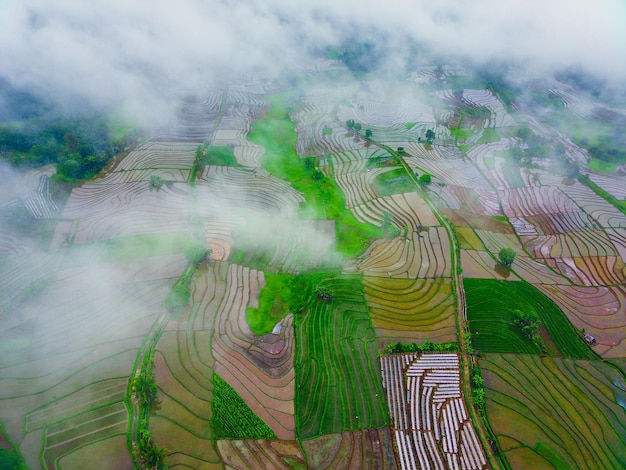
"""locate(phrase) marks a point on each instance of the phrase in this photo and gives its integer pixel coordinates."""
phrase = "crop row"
(601, 211)
(489, 300)
(406, 210)
(523, 202)
(555, 412)
(258, 453)
(430, 421)
(601, 311)
(108, 211)
(92, 396)
(65, 436)
(476, 201)
(590, 243)
(451, 172)
(183, 366)
(369, 449)
(232, 417)
(158, 155)
(554, 224)
(410, 309)
(591, 270)
(424, 254)
(261, 372)
(338, 379)
(612, 183)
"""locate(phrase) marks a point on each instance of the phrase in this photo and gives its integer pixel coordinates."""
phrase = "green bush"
(177, 297)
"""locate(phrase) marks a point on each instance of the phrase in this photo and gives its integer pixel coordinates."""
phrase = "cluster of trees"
(430, 137)
(478, 388)
(607, 148)
(11, 460)
(80, 147)
(529, 324)
(535, 146)
(357, 127)
(148, 454)
(361, 56)
(427, 346)
(145, 388)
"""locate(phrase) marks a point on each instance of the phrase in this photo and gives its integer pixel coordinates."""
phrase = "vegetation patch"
(277, 135)
(232, 417)
(394, 182)
(428, 346)
(600, 166)
(338, 382)
(219, 155)
(11, 460)
(274, 301)
(462, 133)
(491, 306)
(352, 236)
(140, 246)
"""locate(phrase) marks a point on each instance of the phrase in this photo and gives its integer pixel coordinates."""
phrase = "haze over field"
(135, 55)
(354, 168)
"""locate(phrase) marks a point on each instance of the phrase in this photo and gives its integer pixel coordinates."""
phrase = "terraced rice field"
(407, 210)
(424, 254)
(79, 401)
(367, 449)
(490, 306)
(256, 453)
(119, 210)
(430, 422)
(561, 413)
(259, 368)
(318, 382)
(338, 384)
(600, 310)
(183, 367)
(411, 310)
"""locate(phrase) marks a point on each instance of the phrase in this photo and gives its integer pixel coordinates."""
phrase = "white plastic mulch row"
(442, 434)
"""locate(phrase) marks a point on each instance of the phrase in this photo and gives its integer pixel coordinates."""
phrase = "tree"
(506, 256)
(324, 293)
(358, 127)
(155, 182)
(71, 167)
(350, 123)
(145, 387)
(430, 135)
(368, 133)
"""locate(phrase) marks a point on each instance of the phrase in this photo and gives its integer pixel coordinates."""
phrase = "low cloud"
(137, 56)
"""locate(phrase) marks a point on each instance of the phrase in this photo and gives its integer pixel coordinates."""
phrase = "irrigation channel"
(157, 328)
(467, 360)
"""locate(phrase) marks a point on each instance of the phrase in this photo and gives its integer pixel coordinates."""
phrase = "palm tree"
(145, 387)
